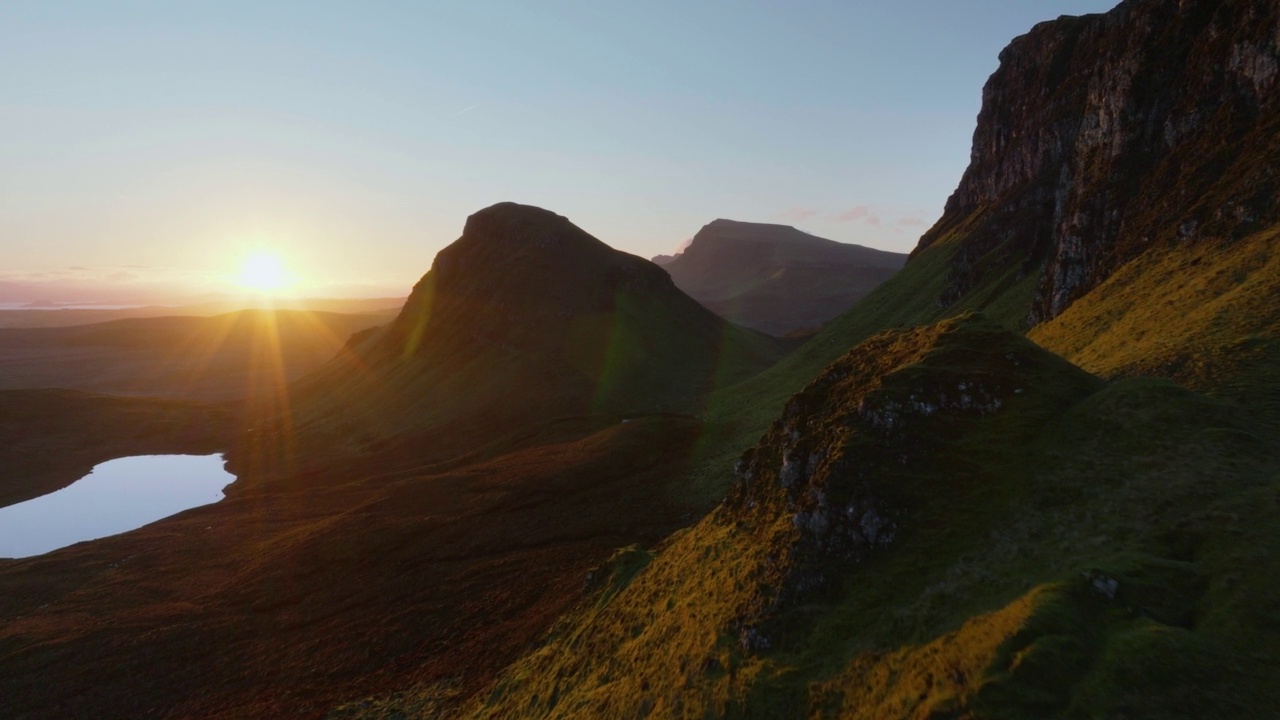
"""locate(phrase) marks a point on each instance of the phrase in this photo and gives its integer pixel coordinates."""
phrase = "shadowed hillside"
(775, 278)
(419, 511)
(54, 437)
(524, 319)
(384, 572)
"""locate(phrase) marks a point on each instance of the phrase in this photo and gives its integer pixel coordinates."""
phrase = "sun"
(263, 272)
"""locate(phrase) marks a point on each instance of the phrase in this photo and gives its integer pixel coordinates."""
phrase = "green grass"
(1160, 473)
(736, 415)
(986, 604)
(1206, 315)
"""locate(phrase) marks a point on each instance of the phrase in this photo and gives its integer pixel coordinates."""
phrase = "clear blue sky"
(355, 138)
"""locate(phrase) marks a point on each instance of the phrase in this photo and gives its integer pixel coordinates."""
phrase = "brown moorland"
(278, 601)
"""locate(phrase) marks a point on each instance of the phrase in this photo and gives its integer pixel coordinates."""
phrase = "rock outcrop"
(1105, 135)
(854, 451)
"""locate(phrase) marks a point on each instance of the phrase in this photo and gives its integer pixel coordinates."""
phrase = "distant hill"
(54, 315)
(523, 319)
(775, 278)
(250, 353)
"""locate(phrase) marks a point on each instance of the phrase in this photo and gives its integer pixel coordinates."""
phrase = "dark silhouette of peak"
(771, 233)
(509, 234)
(516, 273)
(519, 268)
(776, 278)
(526, 317)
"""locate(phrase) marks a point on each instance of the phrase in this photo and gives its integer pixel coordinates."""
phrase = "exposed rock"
(1102, 135)
(834, 478)
(1104, 585)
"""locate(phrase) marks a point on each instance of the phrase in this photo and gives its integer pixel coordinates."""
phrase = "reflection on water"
(117, 496)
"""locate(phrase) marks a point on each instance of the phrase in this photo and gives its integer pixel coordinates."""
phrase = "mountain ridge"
(524, 319)
(775, 278)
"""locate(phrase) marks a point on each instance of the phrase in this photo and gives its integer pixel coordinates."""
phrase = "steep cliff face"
(1105, 135)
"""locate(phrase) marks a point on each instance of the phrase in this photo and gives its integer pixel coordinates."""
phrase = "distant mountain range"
(775, 278)
(233, 356)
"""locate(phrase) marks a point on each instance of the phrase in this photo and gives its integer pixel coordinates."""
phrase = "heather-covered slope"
(948, 522)
(361, 576)
(776, 278)
(524, 319)
(51, 438)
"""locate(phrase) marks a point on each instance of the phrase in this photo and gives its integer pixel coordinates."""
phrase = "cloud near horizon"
(860, 213)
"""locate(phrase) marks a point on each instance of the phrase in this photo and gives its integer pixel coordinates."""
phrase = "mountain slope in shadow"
(526, 318)
(775, 278)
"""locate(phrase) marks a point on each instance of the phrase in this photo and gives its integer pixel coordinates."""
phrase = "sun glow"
(264, 272)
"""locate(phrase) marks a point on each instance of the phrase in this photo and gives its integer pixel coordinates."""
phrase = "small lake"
(115, 497)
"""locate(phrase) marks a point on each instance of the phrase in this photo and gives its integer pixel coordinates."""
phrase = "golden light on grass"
(264, 272)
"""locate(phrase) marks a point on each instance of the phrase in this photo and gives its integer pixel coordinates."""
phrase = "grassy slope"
(987, 607)
(652, 353)
(990, 610)
(737, 415)
(1169, 492)
(1205, 314)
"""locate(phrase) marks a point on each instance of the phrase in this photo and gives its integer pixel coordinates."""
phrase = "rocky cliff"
(1105, 135)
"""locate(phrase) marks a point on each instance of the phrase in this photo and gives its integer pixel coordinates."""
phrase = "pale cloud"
(860, 213)
(123, 276)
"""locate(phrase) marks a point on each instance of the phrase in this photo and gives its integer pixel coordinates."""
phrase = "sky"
(163, 144)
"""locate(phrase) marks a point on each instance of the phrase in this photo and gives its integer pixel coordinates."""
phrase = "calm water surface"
(115, 497)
